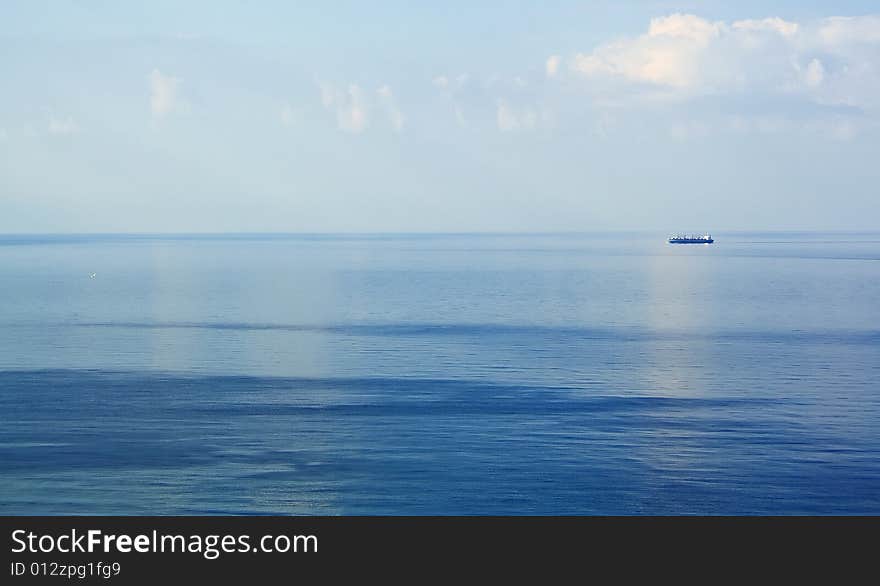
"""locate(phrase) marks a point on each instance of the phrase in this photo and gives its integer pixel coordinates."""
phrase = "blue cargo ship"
(691, 239)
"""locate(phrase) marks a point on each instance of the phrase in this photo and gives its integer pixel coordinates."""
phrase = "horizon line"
(449, 233)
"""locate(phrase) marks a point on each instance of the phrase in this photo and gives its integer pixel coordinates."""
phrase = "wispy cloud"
(551, 67)
(814, 73)
(62, 126)
(164, 97)
(446, 82)
(350, 106)
(389, 104)
(355, 108)
(511, 119)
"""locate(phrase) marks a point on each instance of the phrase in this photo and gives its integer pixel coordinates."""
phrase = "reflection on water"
(440, 374)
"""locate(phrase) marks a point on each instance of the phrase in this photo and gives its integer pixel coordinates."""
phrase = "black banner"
(129, 550)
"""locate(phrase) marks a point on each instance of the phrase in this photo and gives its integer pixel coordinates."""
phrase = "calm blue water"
(440, 374)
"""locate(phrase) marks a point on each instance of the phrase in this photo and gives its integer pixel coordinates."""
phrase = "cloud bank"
(833, 61)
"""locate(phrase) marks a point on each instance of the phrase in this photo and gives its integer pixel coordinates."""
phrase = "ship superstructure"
(691, 239)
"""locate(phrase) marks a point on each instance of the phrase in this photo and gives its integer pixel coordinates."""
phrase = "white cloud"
(774, 24)
(669, 54)
(684, 26)
(765, 75)
(844, 30)
(684, 55)
(445, 82)
(389, 104)
(350, 105)
(453, 90)
(65, 126)
(814, 73)
(353, 115)
(163, 93)
(551, 67)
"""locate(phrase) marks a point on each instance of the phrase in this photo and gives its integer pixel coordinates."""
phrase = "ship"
(691, 239)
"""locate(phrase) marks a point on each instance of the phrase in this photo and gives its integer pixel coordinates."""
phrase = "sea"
(440, 374)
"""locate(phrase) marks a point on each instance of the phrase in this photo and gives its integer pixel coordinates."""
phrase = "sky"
(439, 117)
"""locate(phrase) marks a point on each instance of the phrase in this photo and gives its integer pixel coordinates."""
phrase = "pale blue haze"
(234, 117)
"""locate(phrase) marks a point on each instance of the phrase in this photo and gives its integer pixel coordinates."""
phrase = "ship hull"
(690, 241)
